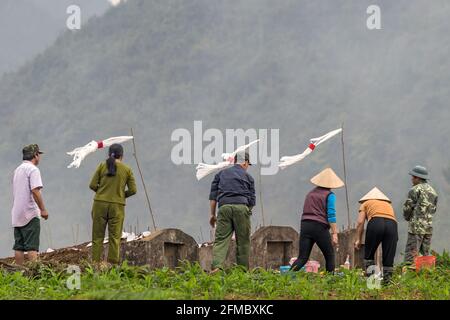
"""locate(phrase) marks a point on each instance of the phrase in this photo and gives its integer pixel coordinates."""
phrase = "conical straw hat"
(375, 194)
(327, 179)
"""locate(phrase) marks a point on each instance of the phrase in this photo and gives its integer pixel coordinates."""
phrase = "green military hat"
(419, 172)
(31, 149)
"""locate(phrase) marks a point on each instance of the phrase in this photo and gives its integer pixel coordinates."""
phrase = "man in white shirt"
(28, 205)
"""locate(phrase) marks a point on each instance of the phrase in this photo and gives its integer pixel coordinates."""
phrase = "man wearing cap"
(233, 189)
(376, 208)
(418, 210)
(28, 205)
(319, 216)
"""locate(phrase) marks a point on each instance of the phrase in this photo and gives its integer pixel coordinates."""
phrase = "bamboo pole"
(345, 178)
(143, 182)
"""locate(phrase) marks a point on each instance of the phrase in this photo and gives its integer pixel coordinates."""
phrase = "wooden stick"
(345, 178)
(143, 182)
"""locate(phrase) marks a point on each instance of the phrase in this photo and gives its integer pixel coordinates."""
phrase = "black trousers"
(384, 231)
(312, 232)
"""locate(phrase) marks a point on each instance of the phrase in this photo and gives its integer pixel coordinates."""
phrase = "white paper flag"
(290, 160)
(204, 169)
(80, 153)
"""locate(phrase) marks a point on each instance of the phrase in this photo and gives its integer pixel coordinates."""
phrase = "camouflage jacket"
(419, 209)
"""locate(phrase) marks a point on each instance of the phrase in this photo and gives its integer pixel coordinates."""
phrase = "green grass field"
(190, 282)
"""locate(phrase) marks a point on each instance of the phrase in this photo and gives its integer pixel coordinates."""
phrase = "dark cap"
(31, 149)
(242, 157)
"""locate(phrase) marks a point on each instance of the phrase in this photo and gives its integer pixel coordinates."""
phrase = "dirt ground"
(71, 255)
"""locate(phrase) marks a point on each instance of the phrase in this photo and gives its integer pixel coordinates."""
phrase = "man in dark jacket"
(233, 189)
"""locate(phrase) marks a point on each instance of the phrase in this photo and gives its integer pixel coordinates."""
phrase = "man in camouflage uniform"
(418, 210)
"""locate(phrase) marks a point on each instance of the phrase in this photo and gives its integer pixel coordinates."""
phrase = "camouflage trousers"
(417, 244)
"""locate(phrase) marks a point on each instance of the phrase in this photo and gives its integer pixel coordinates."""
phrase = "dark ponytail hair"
(115, 152)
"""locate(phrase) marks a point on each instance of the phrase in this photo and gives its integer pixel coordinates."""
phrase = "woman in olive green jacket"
(113, 182)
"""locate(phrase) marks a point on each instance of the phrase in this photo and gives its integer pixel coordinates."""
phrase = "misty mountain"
(27, 27)
(301, 67)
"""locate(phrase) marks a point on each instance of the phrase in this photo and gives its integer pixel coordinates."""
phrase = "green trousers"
(112, 215)
(232, 217)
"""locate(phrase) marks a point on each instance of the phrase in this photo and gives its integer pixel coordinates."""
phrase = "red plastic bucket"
(425, 262)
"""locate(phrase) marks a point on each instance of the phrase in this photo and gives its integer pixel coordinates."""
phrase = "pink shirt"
(26, 178)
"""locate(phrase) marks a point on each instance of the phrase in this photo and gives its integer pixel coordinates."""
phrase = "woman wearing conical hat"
(376, 208)
(319, 216)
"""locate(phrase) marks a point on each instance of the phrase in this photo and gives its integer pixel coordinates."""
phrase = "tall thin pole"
(345, 178)
(143, 182)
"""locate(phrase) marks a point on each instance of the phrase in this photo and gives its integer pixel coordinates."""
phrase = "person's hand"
(334, 239)
(44, 214)
(358, 244)
(212, 221)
